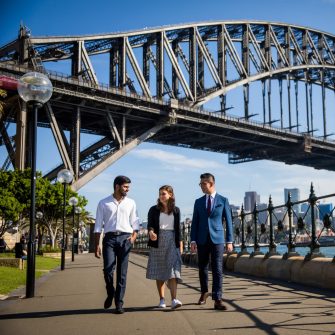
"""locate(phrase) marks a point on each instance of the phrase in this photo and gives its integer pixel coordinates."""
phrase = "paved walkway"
(71, 302)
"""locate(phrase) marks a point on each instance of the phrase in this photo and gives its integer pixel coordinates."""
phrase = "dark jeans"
(116, 253)
(216, 253)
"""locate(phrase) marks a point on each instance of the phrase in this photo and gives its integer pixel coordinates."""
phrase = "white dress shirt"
(114, 216)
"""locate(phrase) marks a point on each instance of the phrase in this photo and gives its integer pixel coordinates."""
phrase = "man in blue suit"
(208, 237)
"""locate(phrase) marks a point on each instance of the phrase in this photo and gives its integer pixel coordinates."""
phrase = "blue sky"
(150, 166)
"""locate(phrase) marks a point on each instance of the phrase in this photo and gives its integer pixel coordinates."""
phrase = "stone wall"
(318, 272)
(12, 262)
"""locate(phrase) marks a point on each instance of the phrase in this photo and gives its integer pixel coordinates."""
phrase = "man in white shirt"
(116, 214)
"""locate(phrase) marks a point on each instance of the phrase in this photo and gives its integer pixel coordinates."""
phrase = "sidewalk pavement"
(71, 302)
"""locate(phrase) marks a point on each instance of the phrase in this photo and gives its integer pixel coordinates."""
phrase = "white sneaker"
(176, 304)
(162, 304)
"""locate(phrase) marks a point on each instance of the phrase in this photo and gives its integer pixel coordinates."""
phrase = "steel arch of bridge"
(159, 77)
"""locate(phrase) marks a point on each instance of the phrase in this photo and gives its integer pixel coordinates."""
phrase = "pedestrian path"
(71, 302)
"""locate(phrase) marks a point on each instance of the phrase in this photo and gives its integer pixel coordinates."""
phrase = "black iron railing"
(312, 226)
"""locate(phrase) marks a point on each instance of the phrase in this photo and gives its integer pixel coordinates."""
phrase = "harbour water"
(303, 251)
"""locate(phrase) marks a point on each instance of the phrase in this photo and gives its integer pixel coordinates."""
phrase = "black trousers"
(115, 253)
(215, 251)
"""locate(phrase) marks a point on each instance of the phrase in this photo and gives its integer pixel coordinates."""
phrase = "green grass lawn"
(12, 278)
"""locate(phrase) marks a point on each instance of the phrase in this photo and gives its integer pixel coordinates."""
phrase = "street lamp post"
(73, 201)
(78, 211)
(65, 177)
(36, 89)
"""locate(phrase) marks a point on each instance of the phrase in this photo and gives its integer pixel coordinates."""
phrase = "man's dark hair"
(207, 176)
(120, 180)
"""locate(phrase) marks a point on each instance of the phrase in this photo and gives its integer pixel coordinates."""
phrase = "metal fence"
(295, 224)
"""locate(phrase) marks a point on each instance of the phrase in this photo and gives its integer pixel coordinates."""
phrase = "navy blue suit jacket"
(202, 224)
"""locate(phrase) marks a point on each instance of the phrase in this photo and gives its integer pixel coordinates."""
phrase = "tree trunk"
(53, 235)
(40, 232)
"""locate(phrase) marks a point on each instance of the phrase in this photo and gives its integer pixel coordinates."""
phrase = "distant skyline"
(151, 165)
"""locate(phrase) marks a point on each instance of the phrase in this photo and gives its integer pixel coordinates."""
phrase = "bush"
(48, 248)
(8, 254)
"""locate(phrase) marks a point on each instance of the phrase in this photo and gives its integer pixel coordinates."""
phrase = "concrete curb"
(318, 272)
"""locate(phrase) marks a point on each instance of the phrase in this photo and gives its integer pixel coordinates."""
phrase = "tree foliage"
(15, 202)
(10, 208)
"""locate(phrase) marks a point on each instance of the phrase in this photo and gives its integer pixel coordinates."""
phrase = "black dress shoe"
(108, 302)
(203, 298)
(219, 305)
(119, 310)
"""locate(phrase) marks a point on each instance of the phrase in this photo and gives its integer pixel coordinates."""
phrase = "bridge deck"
(70, 302)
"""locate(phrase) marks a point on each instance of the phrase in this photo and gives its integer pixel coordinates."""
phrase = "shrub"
(48, 248)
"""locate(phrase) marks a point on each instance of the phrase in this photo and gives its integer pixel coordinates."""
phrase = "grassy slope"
(12, 278)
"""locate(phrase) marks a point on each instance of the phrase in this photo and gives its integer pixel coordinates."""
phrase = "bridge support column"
(160, 65)
(21, 138)
(75, 142)
(113, 58)
(193, 65)
(76, 60)
(246, 101)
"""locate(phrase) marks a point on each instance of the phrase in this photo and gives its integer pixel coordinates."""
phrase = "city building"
(295, 196)
(236, 210)
(325, 208)
(263, 215)
(306, 214)
(250, 199)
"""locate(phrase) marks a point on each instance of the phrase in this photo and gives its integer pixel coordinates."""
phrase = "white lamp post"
(64, 177)
(36, 89)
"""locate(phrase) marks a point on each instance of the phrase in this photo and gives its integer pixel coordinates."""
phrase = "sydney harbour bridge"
(172, 85)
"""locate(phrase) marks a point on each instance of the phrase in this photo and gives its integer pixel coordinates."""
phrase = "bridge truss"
(161, 85)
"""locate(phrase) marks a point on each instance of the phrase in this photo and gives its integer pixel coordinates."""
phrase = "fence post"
(256, 245)
(184, 236)
(244, 250)
(187, 236)
(272, 245)
(315, 245)
(291, 245)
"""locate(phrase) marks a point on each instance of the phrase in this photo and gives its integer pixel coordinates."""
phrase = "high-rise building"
(306, 213)
(235, 209)
(295, 196)
(263, 215)
(250, 199)
(325, 209)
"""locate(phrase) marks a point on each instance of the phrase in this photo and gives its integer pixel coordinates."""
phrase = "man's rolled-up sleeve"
(99, 218)
(134, 219)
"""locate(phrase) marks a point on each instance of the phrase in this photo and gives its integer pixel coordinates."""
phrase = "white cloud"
(176, 162)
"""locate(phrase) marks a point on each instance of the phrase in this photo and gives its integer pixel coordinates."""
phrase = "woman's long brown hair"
(171, 201)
